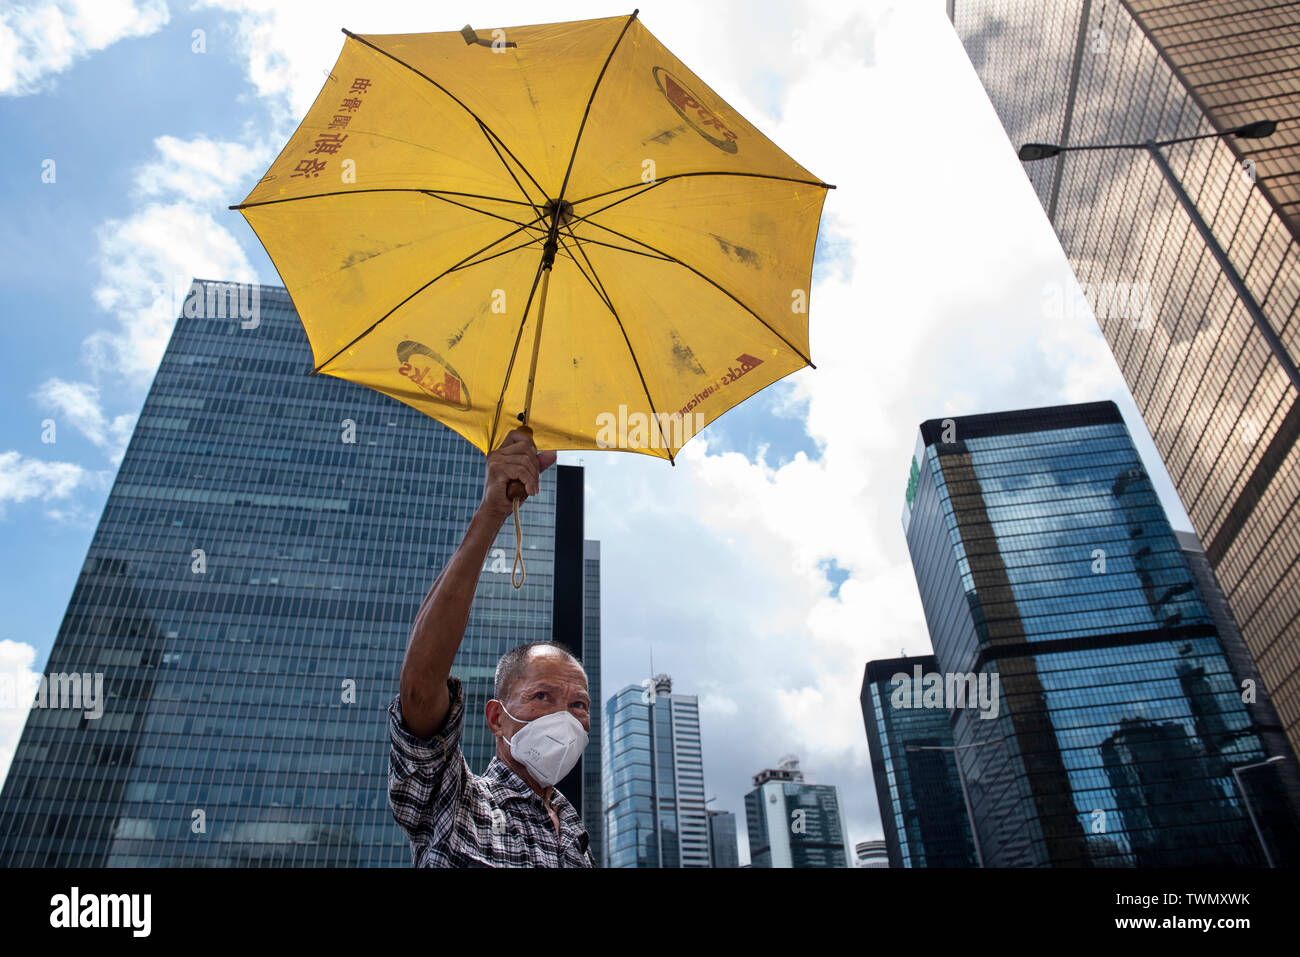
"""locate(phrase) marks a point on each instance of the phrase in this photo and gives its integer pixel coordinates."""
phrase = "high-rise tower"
(248, 595)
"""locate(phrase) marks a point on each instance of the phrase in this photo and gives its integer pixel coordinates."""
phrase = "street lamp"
(1247, 131)
(1259, 129)
(965, 796)
(1246, 799)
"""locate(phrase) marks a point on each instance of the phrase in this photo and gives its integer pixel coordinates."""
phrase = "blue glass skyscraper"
(1044, 557)
(922, 808)
(654, 778)
(248, 595)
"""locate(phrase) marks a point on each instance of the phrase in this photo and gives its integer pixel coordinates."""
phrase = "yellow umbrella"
(556, 226)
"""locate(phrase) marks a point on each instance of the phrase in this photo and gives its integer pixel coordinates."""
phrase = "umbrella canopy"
(557, 225)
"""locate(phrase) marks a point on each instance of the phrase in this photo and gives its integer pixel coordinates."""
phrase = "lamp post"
(965, 796)
(1259, 129)
(1247, 131)
(1241, 786)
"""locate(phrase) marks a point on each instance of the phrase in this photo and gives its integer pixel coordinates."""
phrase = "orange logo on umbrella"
(696, 114)
(422, 366)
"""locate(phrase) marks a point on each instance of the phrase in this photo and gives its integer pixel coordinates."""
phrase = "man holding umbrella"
(557, 229)
(511, 815)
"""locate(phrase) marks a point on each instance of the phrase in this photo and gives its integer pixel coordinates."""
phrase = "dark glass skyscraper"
(1043, 557)
(248, 595)
(654, 778)
(593, 812)
(723, 850)
(922, 810)
(1189, 253)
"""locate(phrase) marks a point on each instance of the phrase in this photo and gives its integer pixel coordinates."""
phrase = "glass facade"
(654, 779)
(1044, 558)
(248, 595)
(723, 850)
(592, 767)
(1205, 330)
(922, 810)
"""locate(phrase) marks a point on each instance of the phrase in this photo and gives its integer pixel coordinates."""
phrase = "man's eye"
(540, 694)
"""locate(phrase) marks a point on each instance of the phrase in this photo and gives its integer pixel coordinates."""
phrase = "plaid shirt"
(457, 819)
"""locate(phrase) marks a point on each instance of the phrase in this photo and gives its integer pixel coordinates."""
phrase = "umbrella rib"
(599, 288)
(488, 137)
(453, 97)
(624, 249)
(379, 189)
(372, 326)
(504, 252)
(730, 295)
(591, 99)
(671, 176)
(505, 382)
(585, 216)
(484, 212)
(649, 186)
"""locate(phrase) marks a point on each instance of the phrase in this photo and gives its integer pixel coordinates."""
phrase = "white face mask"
(548, 746)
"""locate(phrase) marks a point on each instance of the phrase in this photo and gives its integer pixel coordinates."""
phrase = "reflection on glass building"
(592, 766)
(654, 778)
(793, 822)
(1187, 252)
(248, 595)
(1043, 556)
(723, 849)
(918, 789)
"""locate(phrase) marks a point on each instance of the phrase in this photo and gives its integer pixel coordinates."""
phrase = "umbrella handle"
(518, 566)
(517, 493)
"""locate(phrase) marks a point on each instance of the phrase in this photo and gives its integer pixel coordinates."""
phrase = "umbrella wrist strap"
(518, 568)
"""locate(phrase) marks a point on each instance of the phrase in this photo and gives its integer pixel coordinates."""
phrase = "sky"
(769, 566)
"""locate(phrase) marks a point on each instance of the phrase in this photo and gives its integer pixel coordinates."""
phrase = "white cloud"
(75, 516)
(23, 478)
(79, 404)
(146, 264)
(16, 674)
(200, 169)
(38, 40)
(148, 260)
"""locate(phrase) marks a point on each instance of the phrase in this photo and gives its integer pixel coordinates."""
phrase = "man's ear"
(492, 712)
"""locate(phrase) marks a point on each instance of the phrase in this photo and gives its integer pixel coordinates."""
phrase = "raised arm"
(440, 623)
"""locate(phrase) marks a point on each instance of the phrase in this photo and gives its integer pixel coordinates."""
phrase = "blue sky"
(930, 281)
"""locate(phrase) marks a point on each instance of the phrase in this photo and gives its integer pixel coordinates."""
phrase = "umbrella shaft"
(537, 342)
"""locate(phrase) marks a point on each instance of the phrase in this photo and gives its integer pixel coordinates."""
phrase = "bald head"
(514, 664)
